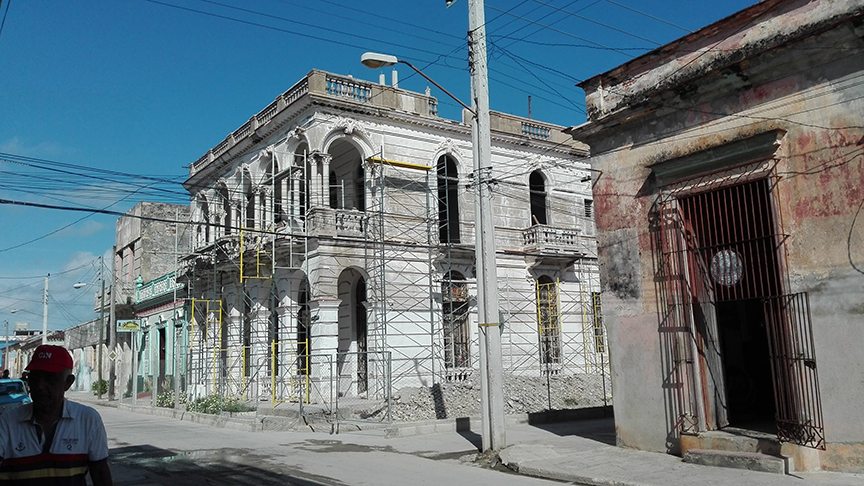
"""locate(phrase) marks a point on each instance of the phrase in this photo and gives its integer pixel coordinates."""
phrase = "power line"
(278, 29)
(649, 16)
(597, 22)
(605, 47)
(5, 14)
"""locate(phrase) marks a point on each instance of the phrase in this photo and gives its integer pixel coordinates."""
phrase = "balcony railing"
(547, 238)
(337, 222)
(321, 86)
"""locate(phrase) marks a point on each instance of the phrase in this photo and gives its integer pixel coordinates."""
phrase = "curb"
(270, 422)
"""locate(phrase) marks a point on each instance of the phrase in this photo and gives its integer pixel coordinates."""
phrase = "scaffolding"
(400, 258)
(240, 355)
(417, 295)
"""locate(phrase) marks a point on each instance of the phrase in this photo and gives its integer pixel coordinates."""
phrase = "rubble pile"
(522, 394)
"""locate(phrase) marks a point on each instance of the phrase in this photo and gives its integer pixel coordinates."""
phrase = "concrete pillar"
(324, 337)
(232, 337)
(324, 188)
(260, 343)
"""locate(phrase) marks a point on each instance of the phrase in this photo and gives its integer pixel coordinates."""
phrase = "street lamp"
(374, 60)
(491, 381)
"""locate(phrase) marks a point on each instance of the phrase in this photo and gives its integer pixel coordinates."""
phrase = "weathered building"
(149, 241)
(334, 248)
(728, 194)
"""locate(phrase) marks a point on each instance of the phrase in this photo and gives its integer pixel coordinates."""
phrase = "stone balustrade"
(547, 238)
(322, 85)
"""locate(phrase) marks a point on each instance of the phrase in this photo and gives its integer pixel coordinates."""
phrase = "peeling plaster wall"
(811, 88)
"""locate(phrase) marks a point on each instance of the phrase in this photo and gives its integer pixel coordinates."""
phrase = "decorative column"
(324, 337)
(258, 354)
(232, 337)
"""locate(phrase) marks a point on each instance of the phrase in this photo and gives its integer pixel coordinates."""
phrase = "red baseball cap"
(52, 359)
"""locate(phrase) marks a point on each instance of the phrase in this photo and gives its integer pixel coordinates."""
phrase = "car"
(13, 394)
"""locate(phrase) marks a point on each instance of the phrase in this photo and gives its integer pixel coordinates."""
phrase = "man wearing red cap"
(53, 441)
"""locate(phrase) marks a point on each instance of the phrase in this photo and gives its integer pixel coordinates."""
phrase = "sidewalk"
(581, 452)
(578, 456)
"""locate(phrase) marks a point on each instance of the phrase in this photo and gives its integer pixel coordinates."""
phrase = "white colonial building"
(334, 248)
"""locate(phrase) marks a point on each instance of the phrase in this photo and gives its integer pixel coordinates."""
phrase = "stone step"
(733, 440)
(751, 461)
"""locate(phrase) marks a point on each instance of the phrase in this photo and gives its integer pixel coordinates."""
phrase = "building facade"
(728, 197)
(149, 241)
(334, 248)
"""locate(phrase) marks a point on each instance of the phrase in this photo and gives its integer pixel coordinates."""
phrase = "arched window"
(226, 208)
(303, 334)
(362, 336)
(537, 186)
(347, 176)
(448, 200)
(205, 218)
(277, 189)
(549, 321)
(360, 188)
(249, 195)
(301, 173)
(334, 190)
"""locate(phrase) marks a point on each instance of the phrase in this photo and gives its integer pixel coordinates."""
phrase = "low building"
(728, 194)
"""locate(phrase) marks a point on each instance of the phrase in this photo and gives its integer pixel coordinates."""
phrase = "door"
(755, 366)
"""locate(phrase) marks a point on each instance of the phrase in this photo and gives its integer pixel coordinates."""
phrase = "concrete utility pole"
(45, 312)
(101, 328)
(6, 349)
(177, 330)
(112, 333)
(492, 393)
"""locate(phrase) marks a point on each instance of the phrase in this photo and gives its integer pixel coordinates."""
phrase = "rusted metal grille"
(793, 362)
(733, 234)
(720, 246)
(676, 321)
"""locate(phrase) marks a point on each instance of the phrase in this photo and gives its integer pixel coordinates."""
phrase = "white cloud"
(83, 229)
(16, 146)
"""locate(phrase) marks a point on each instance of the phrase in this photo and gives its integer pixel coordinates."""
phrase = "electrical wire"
(587, 19)
(685, 29)
(5, 14)
(553, 29)
(286, 31)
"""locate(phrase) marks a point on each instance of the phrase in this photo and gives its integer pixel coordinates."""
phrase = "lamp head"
(79, 285)
(374, 60)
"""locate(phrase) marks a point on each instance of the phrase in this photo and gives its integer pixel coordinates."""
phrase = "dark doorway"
(162, 337)
(733, 238)
(746, 364)
(362, 343)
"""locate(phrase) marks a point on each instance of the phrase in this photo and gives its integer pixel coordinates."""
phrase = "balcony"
(337, 222)
(547, 239)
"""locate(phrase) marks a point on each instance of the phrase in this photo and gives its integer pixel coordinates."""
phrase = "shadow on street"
(600, 430)
(148, 465)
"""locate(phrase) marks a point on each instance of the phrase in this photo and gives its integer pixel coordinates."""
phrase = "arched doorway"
(352, 362)
(347, 177)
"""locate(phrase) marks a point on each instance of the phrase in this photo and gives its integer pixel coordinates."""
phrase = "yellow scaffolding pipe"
(293, 358)
(396, 163)
(259, 244)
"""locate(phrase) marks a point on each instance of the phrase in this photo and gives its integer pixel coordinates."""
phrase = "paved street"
(154, 450)
(151, 450)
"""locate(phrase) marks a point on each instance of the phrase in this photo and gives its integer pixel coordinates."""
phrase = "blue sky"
(146, 87)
